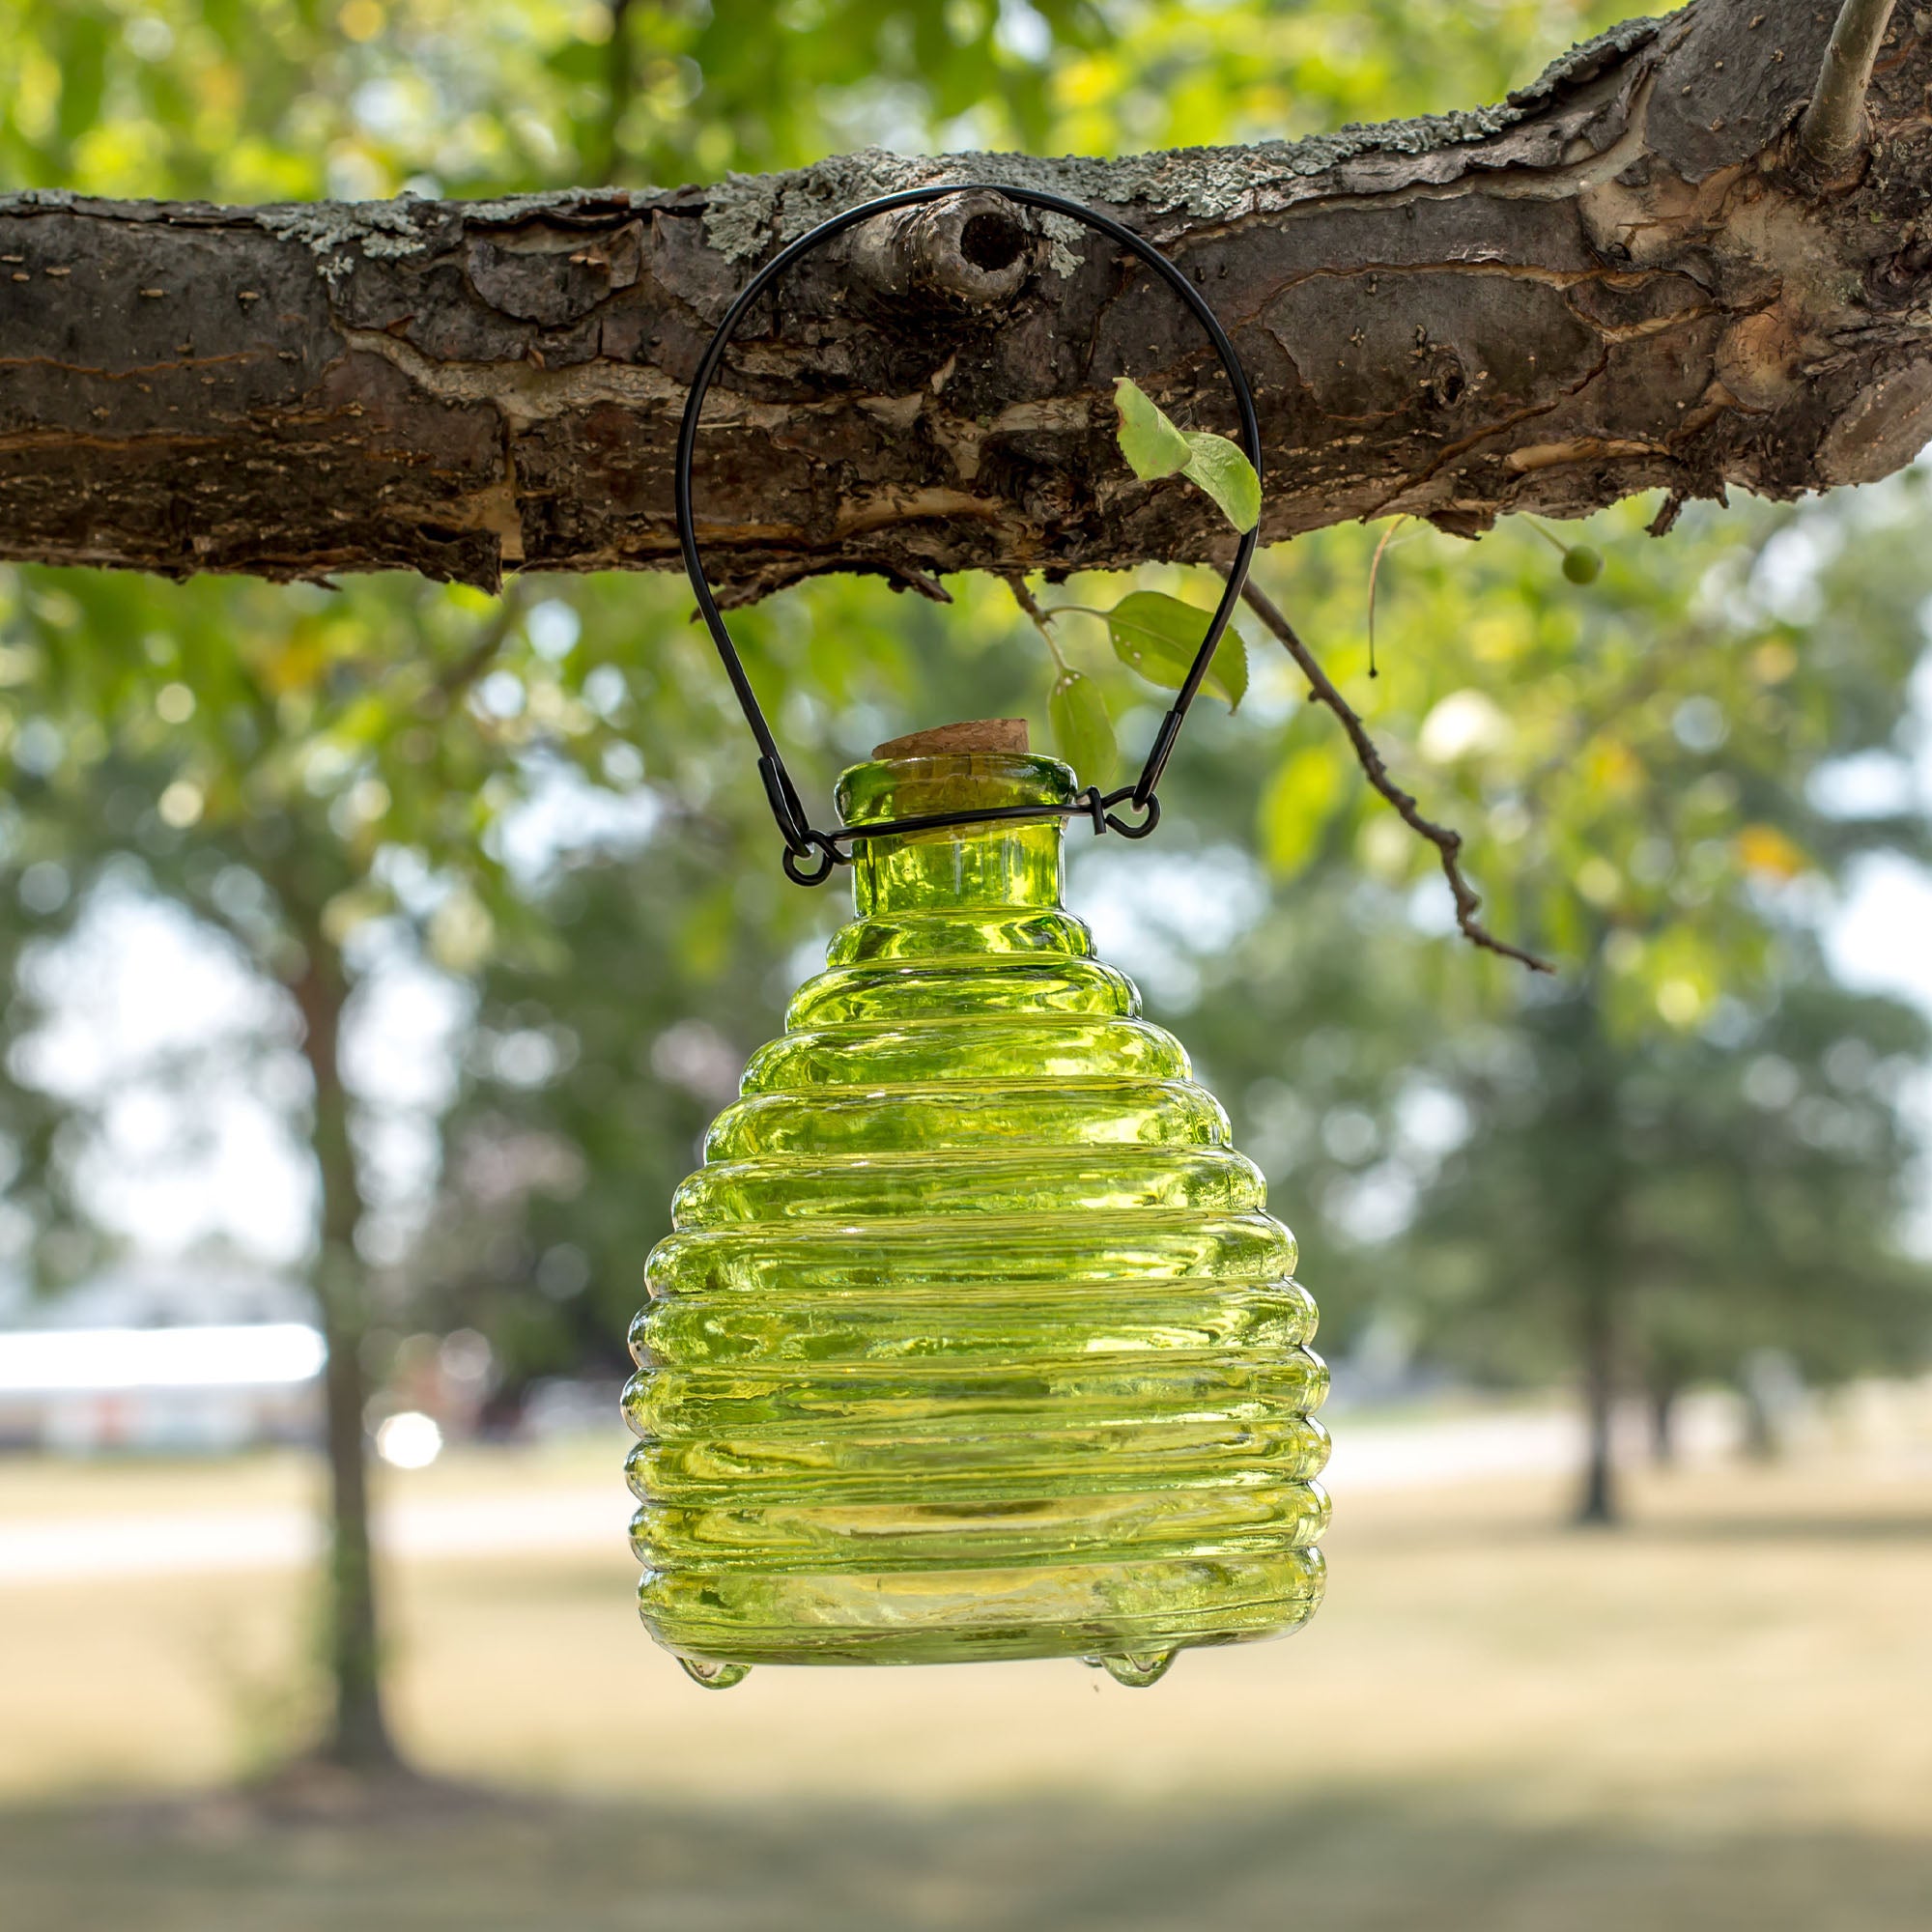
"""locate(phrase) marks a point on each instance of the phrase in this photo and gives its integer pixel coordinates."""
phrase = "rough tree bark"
(1633, 273)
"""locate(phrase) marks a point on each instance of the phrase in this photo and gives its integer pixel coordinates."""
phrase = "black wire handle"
(801, 841)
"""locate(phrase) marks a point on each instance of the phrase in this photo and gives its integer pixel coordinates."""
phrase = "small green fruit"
(1581, 564)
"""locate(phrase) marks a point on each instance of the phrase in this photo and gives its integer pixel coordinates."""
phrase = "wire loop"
(788, 811)
(1149, 805)
(829, 857)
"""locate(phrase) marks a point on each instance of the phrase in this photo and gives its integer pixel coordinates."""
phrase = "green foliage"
(1083, 733)
(1159, 635)
(1156, 448)
(1153, 446)
(1629, 763)
(1273, 70)
(1628, 750)
(590, 1073)
(1296, 804)
(1731, 1188)
(284, 99)
(1218, 468)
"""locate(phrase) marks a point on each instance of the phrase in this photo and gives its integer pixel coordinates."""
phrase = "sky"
(1880, 938)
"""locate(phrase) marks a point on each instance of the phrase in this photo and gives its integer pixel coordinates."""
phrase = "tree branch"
(456, 678)
(1832, 133)
(1606, 284)
(1448, 844)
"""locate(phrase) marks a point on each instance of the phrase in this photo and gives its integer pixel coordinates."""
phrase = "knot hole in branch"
(992, 241)
(969, 253)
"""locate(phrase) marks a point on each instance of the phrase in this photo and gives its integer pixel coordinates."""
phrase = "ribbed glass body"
(973, 1339)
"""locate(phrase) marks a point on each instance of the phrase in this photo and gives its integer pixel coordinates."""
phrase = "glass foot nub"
(1135, 1672)
(715, 1676)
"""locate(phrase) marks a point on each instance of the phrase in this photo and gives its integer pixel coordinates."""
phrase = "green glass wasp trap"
(973, 1339)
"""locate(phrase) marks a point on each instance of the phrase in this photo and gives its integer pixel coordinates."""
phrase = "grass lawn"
(1720, 1717)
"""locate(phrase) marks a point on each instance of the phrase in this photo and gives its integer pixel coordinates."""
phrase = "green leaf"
(1296, 806)
(1159, 635)
(1220, 469)
(1155, 447)
(1082, 734)
(1149, 440)
(83, 71)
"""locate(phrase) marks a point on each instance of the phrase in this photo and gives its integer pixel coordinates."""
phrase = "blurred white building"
(172, 1357)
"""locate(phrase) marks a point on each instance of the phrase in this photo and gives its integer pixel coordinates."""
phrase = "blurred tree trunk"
(1597, 1338)
(1663, 1392)
(358, 1734)
(1604, 1276)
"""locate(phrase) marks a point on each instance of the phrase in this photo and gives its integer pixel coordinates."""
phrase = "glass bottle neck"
(1009, 862)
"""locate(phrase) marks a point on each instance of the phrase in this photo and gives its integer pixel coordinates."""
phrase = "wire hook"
(800, 837)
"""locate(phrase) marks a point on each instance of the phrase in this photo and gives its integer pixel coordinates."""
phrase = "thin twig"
(619, 80)
(1374, 572)
(1448, 844)
(1834, 131)
(458, 677)
(1028, 603)
(1547, 535)
(1040, 617)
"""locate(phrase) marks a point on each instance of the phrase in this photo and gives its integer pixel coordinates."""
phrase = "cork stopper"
(982, 763)
(976, 735)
